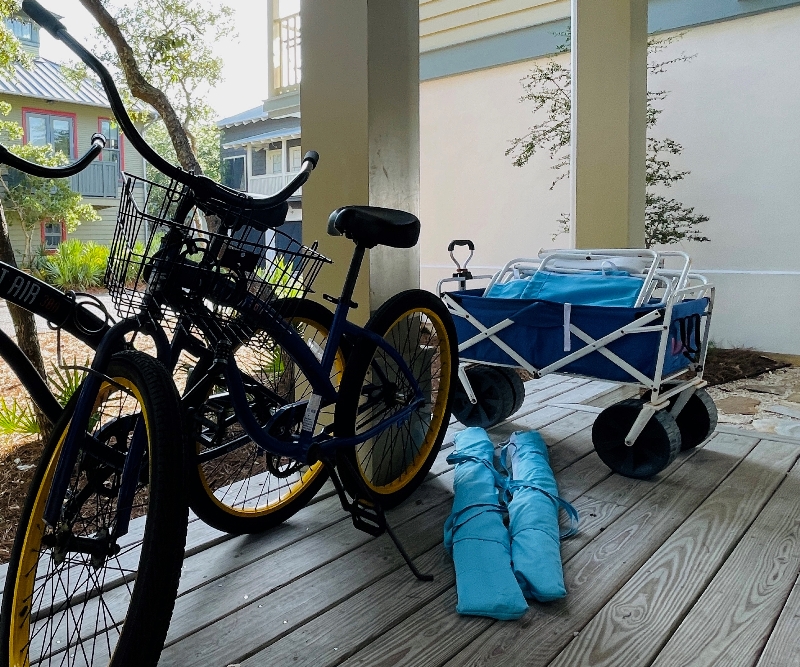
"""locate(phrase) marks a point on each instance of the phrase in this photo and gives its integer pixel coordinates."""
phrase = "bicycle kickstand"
(367, 514)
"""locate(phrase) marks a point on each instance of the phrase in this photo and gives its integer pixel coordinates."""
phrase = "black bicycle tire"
(390, 313)
(145, 626)
(225, 518)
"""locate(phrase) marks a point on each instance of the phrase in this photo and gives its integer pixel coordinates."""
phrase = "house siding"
(87, 123)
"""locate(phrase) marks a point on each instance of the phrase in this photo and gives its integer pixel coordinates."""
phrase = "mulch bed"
(16, 472)
(727, 365)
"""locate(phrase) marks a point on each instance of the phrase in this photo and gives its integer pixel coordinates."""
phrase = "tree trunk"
(24, 325)
(142, 89)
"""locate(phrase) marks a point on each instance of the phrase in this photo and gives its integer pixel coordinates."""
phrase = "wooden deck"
(695, 567)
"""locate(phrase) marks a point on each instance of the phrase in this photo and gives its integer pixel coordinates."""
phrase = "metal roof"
(284, 132)
(249, 116)
(46, 81)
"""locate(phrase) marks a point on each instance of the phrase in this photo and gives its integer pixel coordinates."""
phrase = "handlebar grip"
(465, 242)
(42, 16)
(98, 140)
(312, 157)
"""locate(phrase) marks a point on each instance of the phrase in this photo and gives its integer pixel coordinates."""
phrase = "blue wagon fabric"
(538, 334)
(475, 535)
(533, 519)
(591, 288)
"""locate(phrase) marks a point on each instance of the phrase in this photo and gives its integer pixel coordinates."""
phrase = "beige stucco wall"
(733, 108)
(469, 187)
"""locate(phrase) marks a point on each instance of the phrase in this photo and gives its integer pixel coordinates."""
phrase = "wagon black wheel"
(495, 396)
(654, 449)
(697, 420)
(517, 387)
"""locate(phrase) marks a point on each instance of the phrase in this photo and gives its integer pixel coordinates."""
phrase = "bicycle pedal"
(367, 518)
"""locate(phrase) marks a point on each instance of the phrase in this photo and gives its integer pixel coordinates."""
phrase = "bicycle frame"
(318, 373)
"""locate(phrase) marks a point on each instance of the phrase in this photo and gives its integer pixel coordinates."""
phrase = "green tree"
(206, 138)
(165, 50)
(549, 88)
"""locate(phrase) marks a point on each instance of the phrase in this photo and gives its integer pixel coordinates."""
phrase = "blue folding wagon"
(637, 317)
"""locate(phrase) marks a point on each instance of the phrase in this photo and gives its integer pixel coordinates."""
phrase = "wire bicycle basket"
(209, 261)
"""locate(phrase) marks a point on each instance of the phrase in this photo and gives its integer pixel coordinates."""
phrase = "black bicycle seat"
(370, 226)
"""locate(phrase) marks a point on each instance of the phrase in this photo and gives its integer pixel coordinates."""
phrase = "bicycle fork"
(78, 438)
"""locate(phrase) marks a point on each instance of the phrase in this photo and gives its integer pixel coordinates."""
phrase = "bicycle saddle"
(370, 226)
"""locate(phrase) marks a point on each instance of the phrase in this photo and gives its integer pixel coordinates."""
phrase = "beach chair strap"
(686, 327)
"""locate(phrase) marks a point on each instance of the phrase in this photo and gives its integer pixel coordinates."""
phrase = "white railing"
(270, 184)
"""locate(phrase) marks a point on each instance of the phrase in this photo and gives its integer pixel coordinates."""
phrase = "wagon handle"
(461, 271)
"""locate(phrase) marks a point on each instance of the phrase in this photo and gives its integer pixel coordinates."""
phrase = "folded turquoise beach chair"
(475, 536)
(533, 518)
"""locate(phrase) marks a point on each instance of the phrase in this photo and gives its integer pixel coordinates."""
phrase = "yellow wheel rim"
(286, 495)
(438, 409)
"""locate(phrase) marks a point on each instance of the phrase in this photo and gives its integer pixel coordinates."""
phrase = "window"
(21, 28)
(233, 173)
(259, 165)
(275, 159)
(52, 235)
(113, 150)
(295, 158)
(286, 44)
(58, 131)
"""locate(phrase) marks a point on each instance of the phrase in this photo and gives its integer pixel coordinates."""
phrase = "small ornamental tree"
(32, 201)
(549, 88)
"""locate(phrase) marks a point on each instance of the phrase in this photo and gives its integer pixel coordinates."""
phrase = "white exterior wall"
(734, 109)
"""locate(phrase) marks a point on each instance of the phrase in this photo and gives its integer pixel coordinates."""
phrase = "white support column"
(248, 167)
(609, 114)
(360, 110)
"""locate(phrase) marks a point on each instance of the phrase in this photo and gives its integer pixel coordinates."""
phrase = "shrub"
(75, 265)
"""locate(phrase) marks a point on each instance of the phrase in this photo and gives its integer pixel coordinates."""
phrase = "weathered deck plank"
(629, 630)
(696, 566)
(731, 621)
(597, 571)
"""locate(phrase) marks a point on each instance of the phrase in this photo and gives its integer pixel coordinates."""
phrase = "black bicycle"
(119, 520)
(280, 394)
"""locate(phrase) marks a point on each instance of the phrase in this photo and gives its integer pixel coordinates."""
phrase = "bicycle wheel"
(245, 489)
(394, 462)
(74, 595)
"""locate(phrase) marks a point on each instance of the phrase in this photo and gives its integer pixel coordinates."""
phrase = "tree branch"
(141, 88)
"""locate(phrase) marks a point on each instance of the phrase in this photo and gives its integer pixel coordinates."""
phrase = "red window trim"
(100, 120)
(50, 112)
(63, 235)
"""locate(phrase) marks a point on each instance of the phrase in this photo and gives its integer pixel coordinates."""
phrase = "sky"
(245, 57)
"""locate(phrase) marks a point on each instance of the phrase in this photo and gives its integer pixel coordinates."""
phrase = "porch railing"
(99, 179)
(270, 184)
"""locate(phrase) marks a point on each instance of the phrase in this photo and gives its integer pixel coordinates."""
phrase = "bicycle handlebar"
(7, 157)
(203, 187)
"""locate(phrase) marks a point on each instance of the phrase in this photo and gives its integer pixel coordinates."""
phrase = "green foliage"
(75, 265)
(17, 418)
(11, 51)
(206, 137)
(549, 88)
(173, 43)
(282, 278)
(66, 381)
